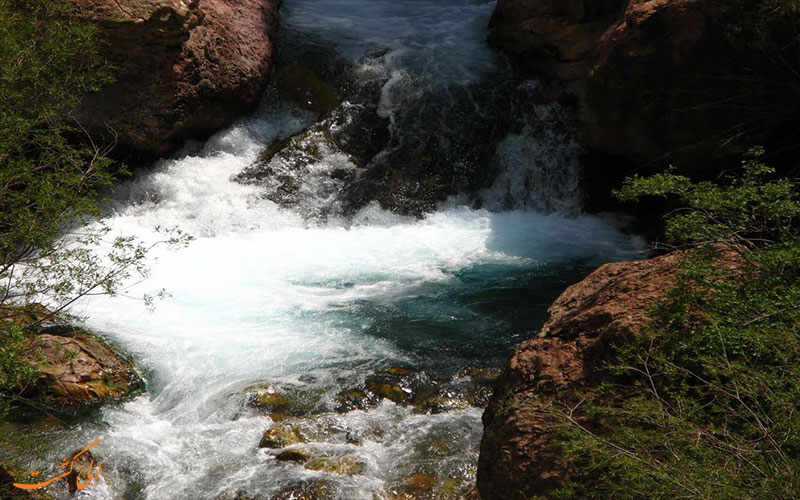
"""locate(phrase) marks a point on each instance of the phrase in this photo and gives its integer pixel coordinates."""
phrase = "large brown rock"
(185, 68)
(77, 369)
(518, 458)
(655, 80)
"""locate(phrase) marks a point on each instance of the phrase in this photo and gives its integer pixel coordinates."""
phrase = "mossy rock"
(355, 399)
(281, 435)
(78, 371)
(346, 465)
(398, 384)
(282, 403)
(10, 474)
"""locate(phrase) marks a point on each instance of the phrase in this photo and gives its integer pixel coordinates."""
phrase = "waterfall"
(310, 300)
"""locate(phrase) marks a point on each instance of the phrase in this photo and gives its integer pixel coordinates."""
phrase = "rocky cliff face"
(518, 458)
(655, 80)
(184, 69)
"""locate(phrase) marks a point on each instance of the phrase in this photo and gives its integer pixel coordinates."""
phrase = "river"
(267, 296)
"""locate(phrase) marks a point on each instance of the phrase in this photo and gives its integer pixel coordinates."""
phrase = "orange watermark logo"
(91, 478)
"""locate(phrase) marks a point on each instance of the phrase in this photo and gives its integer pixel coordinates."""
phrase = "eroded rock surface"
(77, 369)
(518, 458)
(185, 69)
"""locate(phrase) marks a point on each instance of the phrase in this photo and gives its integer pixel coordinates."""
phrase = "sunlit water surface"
(263, 296)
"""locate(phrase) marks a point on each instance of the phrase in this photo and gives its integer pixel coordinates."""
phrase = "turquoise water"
(266, 296)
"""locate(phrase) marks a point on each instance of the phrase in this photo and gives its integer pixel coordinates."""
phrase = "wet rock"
(78, 369)
(443, 142)
(344, 465)
(310, 170)
(82, 467)
(469, 388)
(324, 428)
(423, 486)
(355, 399)
(10, 474)
(409, 387)
(282, 435)
(308, 490)
(284, 402)
(400, 385)
(294, 455)
(185, 69)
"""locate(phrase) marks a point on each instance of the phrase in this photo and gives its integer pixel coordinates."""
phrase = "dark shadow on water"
(475, 319)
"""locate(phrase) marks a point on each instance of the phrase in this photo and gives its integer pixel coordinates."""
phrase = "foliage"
(52, 249)
(704, 404)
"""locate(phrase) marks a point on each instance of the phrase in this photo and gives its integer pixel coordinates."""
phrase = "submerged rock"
(424, 486)
(294, 455)
(303, 86)
(308, 490)
(185, 69)
(409, 387)
(343, 465)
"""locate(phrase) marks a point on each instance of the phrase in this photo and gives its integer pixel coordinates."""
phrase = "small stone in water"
(281, 436)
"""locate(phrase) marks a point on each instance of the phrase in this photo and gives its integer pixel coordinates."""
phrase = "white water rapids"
(263, 296)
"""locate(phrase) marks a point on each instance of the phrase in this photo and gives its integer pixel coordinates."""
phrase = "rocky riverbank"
(688, 82)
(519, 457)
(183, 69)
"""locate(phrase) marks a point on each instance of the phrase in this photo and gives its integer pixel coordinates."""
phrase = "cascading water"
(267, 296)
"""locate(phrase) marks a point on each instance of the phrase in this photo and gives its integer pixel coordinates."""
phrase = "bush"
(50, 174)
(704, 404)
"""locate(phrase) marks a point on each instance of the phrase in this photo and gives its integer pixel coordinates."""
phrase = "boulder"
(309, 170)
(518, 458)
(77, 369)
(281, 403)
(657, 81)
(184, 69)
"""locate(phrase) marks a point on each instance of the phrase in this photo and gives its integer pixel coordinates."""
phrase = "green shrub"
(51, 172)
(706, 403)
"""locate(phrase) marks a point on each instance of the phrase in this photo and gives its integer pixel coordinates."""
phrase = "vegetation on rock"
(50, 175)
(703, 404)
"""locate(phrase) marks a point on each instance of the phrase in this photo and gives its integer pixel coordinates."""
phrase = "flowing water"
(266, 296)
